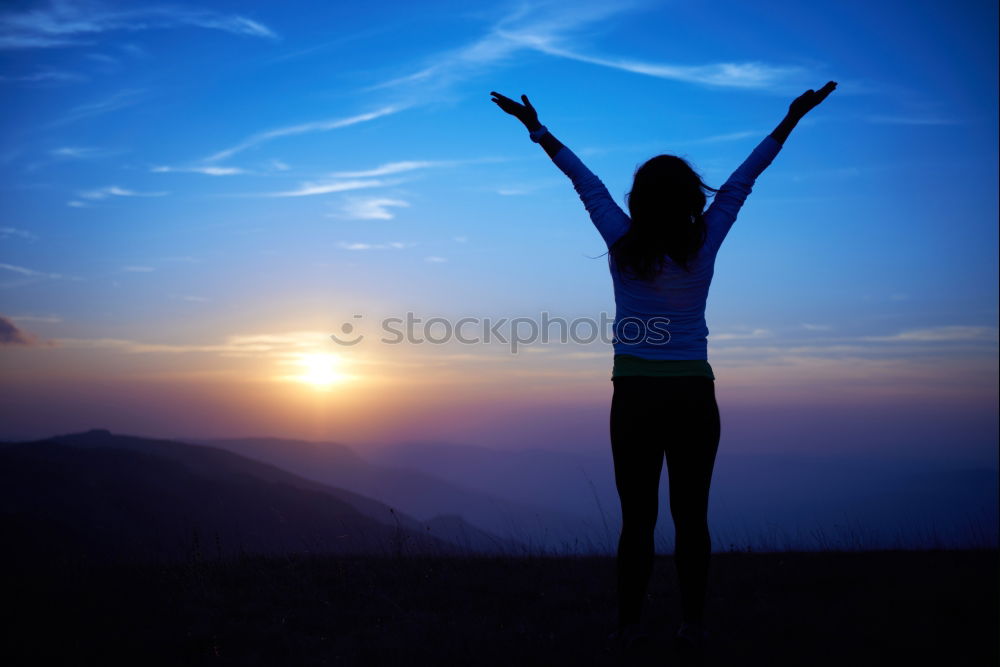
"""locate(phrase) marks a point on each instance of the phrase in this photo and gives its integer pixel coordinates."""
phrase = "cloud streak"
(724, 75)
(943, 334)
(64, 24)
(376, 208)
(79, 152)
(275, 345)
(389, 168)
(496, 46)
(14, 232)
(119, 100)
(43, 76)
(310, 188)
(115, 191)
(28, 276)
(304, 128)
(208, 170)
(551, 31)
(394, 245)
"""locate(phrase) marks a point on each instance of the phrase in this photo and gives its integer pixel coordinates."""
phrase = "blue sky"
(181, 179)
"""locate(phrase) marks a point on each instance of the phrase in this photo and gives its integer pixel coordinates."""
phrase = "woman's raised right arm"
(608, 217)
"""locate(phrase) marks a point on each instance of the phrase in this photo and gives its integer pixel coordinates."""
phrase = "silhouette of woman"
(662, 258)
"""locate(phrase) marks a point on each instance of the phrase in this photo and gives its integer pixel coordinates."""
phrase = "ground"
(803, 609)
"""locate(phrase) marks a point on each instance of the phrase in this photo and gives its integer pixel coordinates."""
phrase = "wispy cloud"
(190, 298)
(14, 232)
(209, 170)
(115, 191)
(390, 168)
(51, 319)
(412, 165)
(9, 41)
(940, 334)
(138, 269)
(728, 75)
(103, 59)
(434, 259)
(729, 136)
(376, 208)
(43, 76)
(119, 100)
(24, 271)
(742, 335)
(303, 128)
(61, 23)
(310, 188)
(275, 345)
(553, 30)
(395, 245)
(26, 276)
(133, 50)
(450, 67)
(71, 153)
(79, 152)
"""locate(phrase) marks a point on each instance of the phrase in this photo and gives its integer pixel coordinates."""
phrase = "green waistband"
(627, 364)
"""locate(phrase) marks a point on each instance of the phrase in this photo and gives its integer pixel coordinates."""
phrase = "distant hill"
(563, 481)
(506, 506)
(111, 497)
(799, 499)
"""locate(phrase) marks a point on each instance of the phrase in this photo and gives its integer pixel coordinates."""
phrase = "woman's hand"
(805, 102)
(799, 107)
(523, 112)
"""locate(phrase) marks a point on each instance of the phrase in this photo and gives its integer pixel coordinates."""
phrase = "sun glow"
(320, 370)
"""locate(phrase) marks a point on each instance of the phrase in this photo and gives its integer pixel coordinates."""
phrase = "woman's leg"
(638, 458)
(691, 451)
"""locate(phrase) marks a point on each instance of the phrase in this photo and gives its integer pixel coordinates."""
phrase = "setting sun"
(320, 370)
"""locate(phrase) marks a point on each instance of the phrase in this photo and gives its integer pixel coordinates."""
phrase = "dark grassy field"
(829, 608)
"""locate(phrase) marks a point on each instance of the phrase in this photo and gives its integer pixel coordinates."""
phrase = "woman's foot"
(629, 637)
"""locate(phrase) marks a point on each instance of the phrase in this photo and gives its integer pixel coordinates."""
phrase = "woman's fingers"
(825, 90)
(505, 101)
(504, 98)
(509, 105)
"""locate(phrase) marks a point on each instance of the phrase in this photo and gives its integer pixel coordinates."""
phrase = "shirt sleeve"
(727, 202)
(611, 221)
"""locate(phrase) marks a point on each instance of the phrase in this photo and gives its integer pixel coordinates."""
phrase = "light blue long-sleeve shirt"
(665, 318)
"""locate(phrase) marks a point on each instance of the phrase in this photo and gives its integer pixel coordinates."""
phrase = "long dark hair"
(666, 204)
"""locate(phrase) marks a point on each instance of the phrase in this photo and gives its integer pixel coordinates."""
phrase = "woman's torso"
(660, 326)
